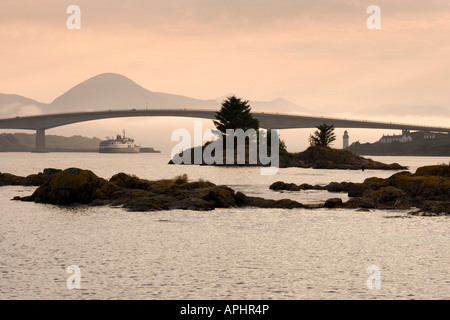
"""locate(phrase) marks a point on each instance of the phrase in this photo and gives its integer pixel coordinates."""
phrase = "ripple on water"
(224, 254)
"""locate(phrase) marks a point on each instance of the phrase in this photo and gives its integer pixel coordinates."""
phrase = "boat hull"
(120, 150)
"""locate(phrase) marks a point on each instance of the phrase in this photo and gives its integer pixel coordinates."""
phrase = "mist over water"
(238, 253)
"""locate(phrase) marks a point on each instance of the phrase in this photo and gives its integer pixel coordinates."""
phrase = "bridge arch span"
(44, 122)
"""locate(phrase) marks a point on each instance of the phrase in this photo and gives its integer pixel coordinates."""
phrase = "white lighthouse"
(345, 138)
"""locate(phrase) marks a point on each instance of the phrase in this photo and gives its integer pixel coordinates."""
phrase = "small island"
(235, 116)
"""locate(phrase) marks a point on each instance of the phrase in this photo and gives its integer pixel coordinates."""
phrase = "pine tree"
(323, 136)
(235, 114)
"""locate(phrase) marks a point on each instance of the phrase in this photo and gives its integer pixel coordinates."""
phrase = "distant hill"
(440, 146)
(15, 105)
(115, 91)
(279, 105)
(403, 110)
(23, 142)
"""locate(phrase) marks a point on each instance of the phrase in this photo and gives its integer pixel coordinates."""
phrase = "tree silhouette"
(323, 136)
(235, 114)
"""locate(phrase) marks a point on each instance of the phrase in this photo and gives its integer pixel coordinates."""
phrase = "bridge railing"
(215, 110)
(106, 110)
(349, 119)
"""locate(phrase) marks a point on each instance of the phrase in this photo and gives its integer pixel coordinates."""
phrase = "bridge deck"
(267, 120)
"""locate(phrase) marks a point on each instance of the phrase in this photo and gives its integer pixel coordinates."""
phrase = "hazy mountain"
(114, 91)
(17, 142)
(279, 105)
(12, 105)
(403, 110)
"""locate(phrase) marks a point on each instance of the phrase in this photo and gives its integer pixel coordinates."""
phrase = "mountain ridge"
(116, 91)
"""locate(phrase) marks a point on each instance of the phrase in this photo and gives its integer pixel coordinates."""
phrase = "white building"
(404, 137)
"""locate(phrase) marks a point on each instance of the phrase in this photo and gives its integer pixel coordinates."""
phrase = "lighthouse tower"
(345, 138)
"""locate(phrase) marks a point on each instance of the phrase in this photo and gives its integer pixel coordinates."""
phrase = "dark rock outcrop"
(319, 157)
(437, 170)
(70, 186)
(76, 186)
(258, 202)
(279, 185)
(333, 203)
(433, 208)
(7, 179)
(427, 189)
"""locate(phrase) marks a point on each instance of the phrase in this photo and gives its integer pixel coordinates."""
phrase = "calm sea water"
(239, 253)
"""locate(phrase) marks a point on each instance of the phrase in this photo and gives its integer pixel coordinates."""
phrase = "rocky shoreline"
(427, 190)
(75, 186)
(7, 179)
(321, 157)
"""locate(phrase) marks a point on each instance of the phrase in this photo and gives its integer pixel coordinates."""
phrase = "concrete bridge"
(41, 123)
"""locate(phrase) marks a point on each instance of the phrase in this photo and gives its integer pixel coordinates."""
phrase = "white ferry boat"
(121, 144)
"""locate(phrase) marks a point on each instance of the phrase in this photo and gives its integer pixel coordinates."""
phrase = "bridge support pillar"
(40, 140)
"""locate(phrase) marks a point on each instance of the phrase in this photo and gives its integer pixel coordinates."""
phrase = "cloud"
(18, 109)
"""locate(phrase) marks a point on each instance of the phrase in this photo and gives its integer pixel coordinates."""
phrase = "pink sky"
(316, 55)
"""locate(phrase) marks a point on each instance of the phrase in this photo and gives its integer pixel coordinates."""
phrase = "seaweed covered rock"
(30, 180)
(218, 196)
(387, 197)
(129, 181)
(145, 203)
(69, 186)
(191, 203)
(333, 203)
(422, 187)
(7, 179)
(338, 187)
(433, 208)
(76, 186)
(280, 185)
(436, 170)
(427, 189)
(258, 202)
